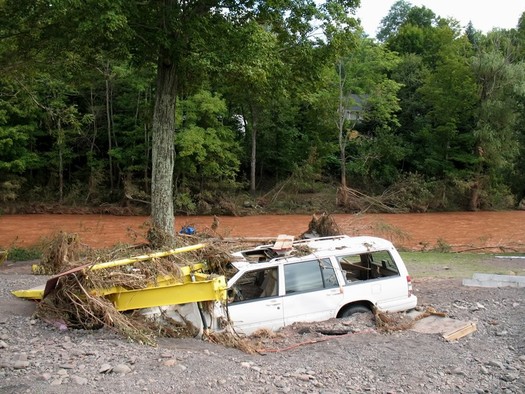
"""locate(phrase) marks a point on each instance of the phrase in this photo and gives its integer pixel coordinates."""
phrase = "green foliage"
(442, 246)
(413, 193)
(18, 125)
(206, 149)
(257, 96)
(500, 85)
(24, 254)
(450, 95)
(367, 105)
(9, 188)
(396, 17)
(184, 203)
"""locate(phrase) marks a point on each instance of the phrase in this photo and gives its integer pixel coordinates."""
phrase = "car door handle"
(274, 303)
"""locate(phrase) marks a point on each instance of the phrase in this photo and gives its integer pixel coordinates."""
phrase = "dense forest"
(190, 106)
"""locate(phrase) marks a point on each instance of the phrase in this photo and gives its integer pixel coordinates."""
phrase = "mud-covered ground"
(37, 357)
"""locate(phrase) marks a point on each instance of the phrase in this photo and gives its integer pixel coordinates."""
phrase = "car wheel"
(353, 309)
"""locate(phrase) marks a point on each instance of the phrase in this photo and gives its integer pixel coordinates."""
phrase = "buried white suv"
(316, 279)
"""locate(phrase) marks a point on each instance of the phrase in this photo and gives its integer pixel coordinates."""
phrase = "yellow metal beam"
(131, 260)
(168, 290)
(188, 273)
(180, 293)
(36, 293)
(191, 286)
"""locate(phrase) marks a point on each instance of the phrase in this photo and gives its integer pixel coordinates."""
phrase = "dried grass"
(3, 256)
(231, 340)
(74, 304)
(390, 322)
(62, 252)
(217, 255)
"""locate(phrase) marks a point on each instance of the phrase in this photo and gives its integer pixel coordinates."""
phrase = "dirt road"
(38, 357)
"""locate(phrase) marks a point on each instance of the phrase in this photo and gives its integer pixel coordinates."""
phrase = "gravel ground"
(36, 357)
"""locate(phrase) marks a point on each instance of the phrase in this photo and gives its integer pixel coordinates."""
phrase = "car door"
(312, 291)
(255, 302)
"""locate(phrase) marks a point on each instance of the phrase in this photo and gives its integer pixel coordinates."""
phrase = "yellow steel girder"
(192, 286)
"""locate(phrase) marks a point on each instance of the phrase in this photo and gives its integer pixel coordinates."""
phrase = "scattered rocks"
(105, 368)
(169, 363)
(38, 357)
(121, 368)
(81, 381)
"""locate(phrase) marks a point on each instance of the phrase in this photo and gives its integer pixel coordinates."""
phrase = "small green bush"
(24, 254)
(442, 246)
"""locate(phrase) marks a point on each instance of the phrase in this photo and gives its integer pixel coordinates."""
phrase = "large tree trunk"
(253, 160)
(163, 153)
(341, 117)
(109, 126)
(61, 143)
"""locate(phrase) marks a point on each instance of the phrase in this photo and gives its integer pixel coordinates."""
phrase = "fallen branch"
(502, 248)
(310, 342)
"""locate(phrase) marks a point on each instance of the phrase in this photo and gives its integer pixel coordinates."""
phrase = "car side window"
(384, 260)
(309, 276)
(255, 285)
(365, 266)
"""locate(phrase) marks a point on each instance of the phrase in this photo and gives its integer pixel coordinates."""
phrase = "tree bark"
(474, 196)
(253, 160)
(341, 116)
(109, 124)
(61, 139)
(163, 152)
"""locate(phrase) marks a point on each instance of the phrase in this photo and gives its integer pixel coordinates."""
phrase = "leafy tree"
(496, 141)
(473, 35)
(360, 100)
(182, 37)
(255, 77)
(396, 17)
(207, 150)
(18, 126)
(373, 146)
(517, 175)
(450, 94)
(226, 91)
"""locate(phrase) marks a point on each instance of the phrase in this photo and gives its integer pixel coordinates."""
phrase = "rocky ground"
(37, 357)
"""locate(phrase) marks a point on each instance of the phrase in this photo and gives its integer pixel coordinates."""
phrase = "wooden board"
(283, 243)
(450, 329)
(468, 328)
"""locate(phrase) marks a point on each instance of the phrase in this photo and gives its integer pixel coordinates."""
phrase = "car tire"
(353, 309)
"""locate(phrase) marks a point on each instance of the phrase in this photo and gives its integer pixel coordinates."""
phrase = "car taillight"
(409, 285)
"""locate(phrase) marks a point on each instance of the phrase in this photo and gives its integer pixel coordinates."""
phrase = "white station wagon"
(316, 279)
(304, 281)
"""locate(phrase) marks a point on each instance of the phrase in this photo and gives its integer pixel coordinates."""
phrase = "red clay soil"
(500, 231)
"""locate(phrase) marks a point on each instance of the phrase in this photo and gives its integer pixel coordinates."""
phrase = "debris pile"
(82, 295)
(63, 252)
(77, 302)
(323, 225)
(114, 293)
